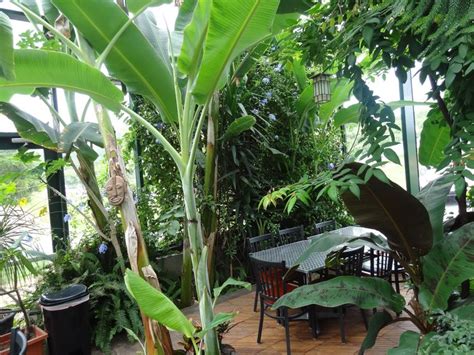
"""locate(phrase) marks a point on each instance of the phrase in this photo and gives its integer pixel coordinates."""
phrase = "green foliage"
(453, 336)
(7, 63)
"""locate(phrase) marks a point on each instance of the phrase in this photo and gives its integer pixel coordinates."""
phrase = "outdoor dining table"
(289, 253)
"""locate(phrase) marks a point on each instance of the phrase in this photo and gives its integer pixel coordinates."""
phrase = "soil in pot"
(6, 320)
(35, 343)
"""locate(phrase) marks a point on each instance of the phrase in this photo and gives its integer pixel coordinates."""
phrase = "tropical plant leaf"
(234, 26)
(447, 265)
(7, 62)
(348, 114)
(216, 321)
(136, 5)
(394, 212)
(132, 59)
(194, 37)
(238, 126)
(465, 311)
(230, 282)
(435, 136)
(185, 14)
(330, 241)
(38, 68)
(340, 93)
(249, 60)
(79, 131)
(305, 100)
(434, 196)
(156, 305)
(408, 345)
(31, 128)
(291, 6)
(376, 323)
(366, 293)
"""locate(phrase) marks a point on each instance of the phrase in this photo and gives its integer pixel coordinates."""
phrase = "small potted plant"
(14, 265)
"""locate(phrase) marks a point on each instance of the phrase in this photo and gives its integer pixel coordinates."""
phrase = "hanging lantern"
(322, 88)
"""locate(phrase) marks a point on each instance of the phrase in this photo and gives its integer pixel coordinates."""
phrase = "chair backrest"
(325, 226)
(290, 235)
(261, 242)
(18, 342)
(381, 263)
(269, 277)
(351, 262)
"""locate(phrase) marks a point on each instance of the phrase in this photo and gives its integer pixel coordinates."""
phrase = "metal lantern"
(322, 88)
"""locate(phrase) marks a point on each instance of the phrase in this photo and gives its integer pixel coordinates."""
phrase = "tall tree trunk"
(157, 337)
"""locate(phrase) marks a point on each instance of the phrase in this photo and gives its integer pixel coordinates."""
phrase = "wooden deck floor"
(243, 336)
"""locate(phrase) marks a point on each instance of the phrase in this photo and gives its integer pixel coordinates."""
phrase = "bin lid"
(65, 295)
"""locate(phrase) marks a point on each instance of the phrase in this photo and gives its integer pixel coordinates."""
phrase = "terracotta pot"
(35, 343)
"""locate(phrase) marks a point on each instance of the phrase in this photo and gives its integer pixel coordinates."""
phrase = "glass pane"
(28, 208)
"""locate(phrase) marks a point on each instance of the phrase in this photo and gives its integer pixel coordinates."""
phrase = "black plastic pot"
(6, 321)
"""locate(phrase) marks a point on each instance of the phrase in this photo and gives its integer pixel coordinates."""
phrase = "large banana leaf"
(79, 131)
(365, 292)
(157, 306)
(136, 5)
(7, 64)
(397, 214)
(38, 68)
(447, 265)
(132, 59)
(238, 126)
(185, 14)
(234, 26)
(434, 196)
(31, 128)
(194, 36)
(435, 136)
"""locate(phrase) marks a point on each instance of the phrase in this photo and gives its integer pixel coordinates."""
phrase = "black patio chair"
(290, 235)
(325, 226)
(258, 243)
(350, 265)
(18, 342)
(273, 285)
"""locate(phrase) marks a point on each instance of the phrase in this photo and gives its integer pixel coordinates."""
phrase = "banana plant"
(216, 33)
(436, 263)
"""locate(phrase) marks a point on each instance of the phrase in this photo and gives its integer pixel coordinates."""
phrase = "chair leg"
(341, 324)
(260, 323)
(397, 282)
(286, 320)
(364, 317)
(256, 298)
(313, 321)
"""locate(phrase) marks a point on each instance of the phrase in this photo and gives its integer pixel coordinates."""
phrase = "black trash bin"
(66, 318)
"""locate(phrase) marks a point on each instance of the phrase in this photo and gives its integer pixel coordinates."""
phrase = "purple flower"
(266, 81)
(331, 166)
(157, 141)
(67, 218)
(103, 248)
(160, 125)
(255, 111)
(272, 117)
(278, 68)
(263, 102)
(269, 95)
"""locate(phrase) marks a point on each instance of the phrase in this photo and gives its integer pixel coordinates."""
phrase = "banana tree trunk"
(209, 215)
(186, 273)
(157, 337)
(199, 257)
